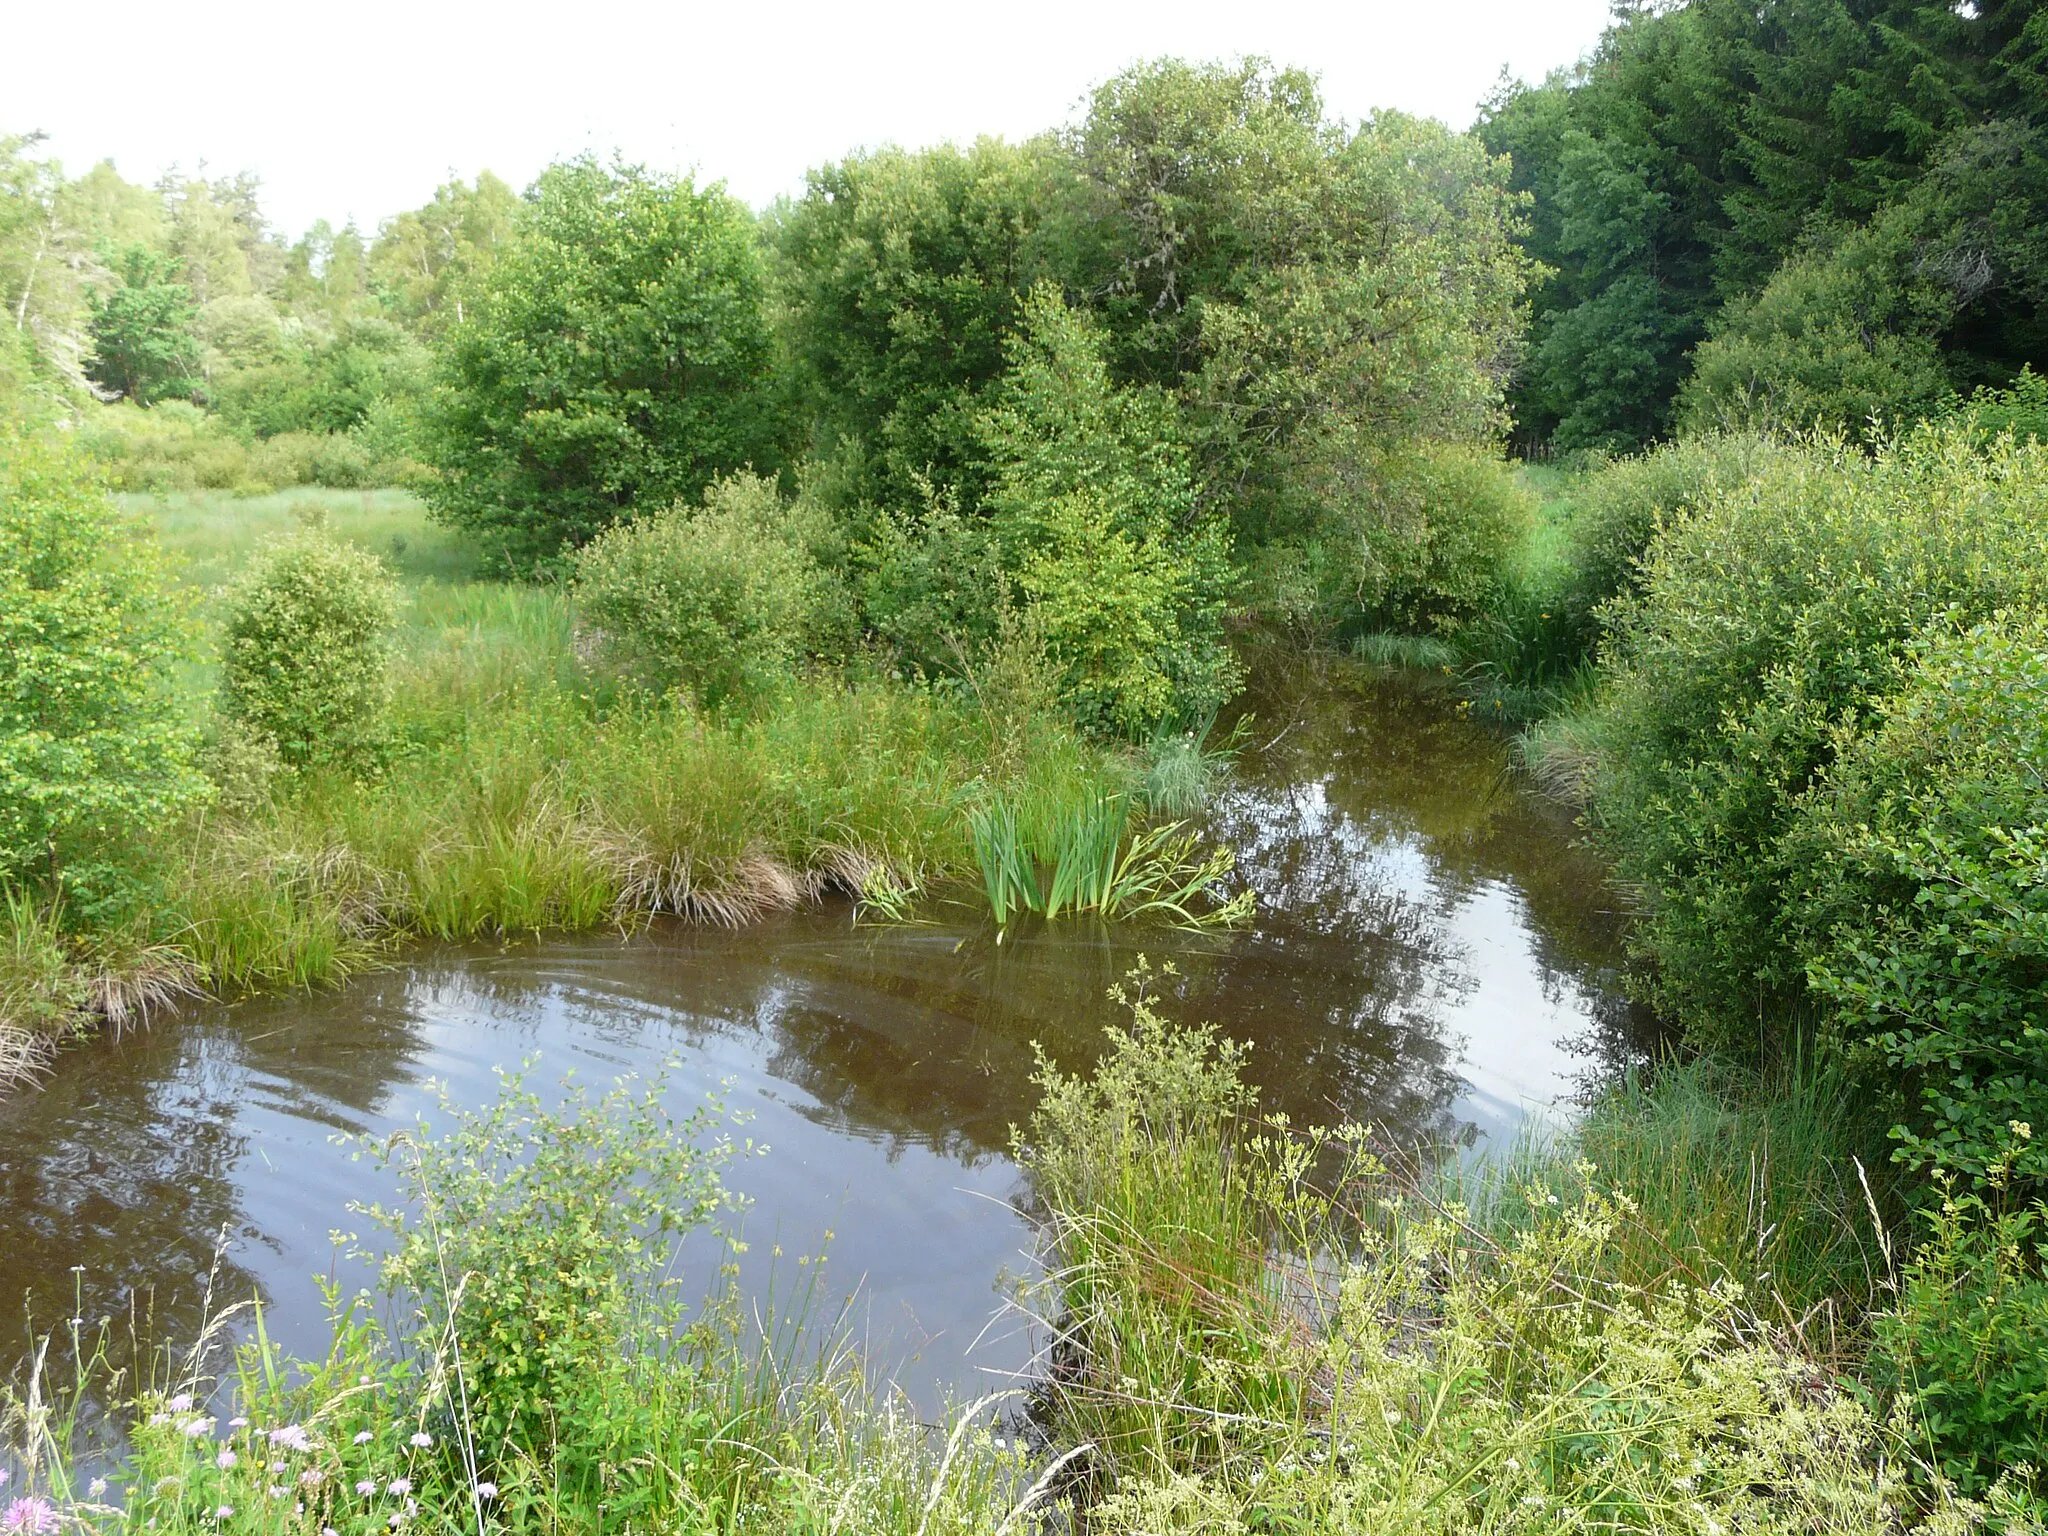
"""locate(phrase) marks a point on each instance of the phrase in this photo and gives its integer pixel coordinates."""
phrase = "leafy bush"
(94, 750)
(1619, 507)
(1843, 340)
(1967, 1343)
(1434, 532)
(717, 600)
(1770, 623)
(1922, 913)
(616, 358)
(2021, 408)
(932, 583)
(538, 1243)
(305, 662)
(1094, 503)
(175, 446)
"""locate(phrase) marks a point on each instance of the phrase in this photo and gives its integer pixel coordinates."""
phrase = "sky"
(361, 110)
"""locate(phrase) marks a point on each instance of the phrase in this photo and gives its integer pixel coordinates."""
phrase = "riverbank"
(517, 787)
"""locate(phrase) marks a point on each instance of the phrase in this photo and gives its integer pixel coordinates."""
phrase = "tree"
(617, 357)
(1094, 505)
(899, 274)
(420, 259)
(143, 348)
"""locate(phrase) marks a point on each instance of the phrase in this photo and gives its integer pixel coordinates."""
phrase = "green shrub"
(1967, 1343)
(716, 600)
(314, 458)
(1844, 340)
(305, 661)
(1094, 503)
(2021, 408)
(1922, 910)
(538, 1241)
(1619, 507)
(1257, 1328)
(94, 750)
(1770, 623)
(1434, 533)
(931, 583)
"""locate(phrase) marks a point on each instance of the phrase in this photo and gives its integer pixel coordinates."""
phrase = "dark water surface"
(1431, 953)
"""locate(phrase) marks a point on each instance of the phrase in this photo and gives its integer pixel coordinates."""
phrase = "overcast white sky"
(359, 109)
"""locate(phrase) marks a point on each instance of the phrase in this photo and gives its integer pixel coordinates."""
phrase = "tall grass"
(1050, 853)
(1259, 1327)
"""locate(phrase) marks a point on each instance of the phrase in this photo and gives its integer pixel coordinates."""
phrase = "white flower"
(399, 1487)
(182, 1403)
(312, 1477)
(292, 1437)
(238, 1423)
(487, 1490)
(96, 1489)
(365, 1488)
(196, 1427)
(364, 1437)
(225, 1460)
(422, 1439)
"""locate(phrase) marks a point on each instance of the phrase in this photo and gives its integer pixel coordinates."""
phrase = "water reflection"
(1428, 945)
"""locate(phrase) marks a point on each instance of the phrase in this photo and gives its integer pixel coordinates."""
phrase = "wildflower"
(225, 1512)
(182, 1403)
(238, 1422)
(292, 1437)
(276, 1492)
(328, 1530)
(159, 1418)
(225, 1460)
(29, 1517)
(312, 1477)
(400, 1486)
(365, 1488)
(364, 1437)
(96, 1489)
(422, 1439)
(194, 1428)
(4, 1475)
(395, 1521)
(487, 1490)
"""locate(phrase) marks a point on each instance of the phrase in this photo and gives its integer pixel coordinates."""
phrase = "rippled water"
(1431, 953)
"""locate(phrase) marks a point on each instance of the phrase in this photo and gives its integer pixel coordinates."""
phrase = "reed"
(1052, 855)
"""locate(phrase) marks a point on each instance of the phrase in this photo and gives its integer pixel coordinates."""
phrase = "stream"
(1431, 953)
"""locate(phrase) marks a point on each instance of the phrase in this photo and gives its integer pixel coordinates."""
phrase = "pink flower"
(423, 1439)
(225, 1460)
(292, 1437)
(365, 1488)
(29, 1517)
(400, 1487)
(182, 1403)
(487, 1490)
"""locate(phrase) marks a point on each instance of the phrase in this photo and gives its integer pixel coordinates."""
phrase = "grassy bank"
(512, 784)
(1250, 1326)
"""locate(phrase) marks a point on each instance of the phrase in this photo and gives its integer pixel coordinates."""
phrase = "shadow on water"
(1431, 953)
